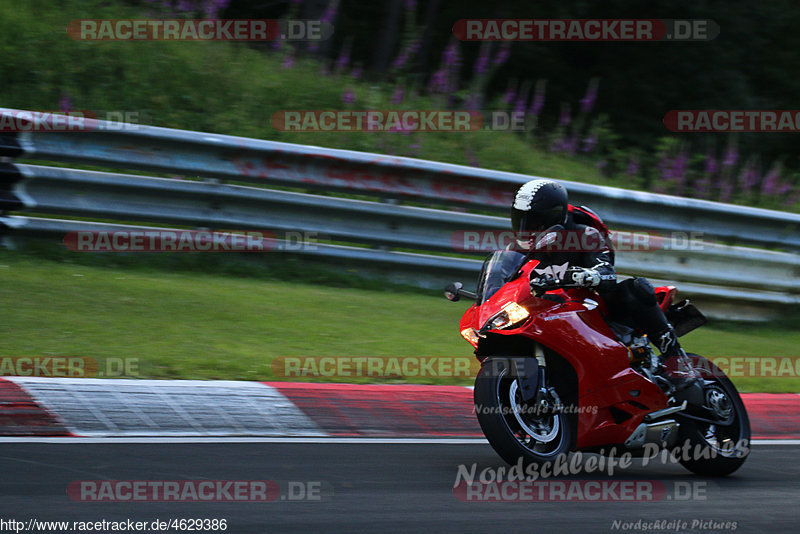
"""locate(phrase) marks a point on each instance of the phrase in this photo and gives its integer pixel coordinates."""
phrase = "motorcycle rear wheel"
(722, 449)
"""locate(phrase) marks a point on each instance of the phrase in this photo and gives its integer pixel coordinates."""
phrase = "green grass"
(192, 325)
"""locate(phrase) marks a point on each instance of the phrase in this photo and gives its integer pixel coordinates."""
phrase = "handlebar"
(543, 284)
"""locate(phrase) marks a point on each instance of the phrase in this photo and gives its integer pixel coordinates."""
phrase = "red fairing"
(665, 296)
(577, 331)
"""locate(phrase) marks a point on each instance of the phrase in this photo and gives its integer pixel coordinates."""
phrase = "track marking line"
(310, 439)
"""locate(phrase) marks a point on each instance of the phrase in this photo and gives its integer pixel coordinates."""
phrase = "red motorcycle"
(558, 375)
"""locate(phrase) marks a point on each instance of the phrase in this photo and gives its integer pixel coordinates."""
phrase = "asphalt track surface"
(377, 487)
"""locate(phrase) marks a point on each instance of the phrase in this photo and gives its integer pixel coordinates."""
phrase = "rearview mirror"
(451, 291)
(456, 290)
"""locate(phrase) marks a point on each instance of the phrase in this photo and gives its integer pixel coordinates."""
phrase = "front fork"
(532, 382)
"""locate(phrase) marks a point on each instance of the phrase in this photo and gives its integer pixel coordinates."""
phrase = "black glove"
(544, 283)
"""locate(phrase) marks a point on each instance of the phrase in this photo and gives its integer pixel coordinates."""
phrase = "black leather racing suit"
(632, 301)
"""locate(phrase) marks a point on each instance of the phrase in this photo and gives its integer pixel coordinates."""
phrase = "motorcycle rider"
(541, 204)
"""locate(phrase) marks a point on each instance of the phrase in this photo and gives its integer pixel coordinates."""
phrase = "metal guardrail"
(714, 270)
(54, 190)
(422, 270)
(226, 157)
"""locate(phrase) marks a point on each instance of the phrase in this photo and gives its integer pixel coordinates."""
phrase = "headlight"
(510, 315)
(471, 335)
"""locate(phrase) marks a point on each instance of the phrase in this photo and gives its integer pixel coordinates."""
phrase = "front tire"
(724, 448)
(516, 430)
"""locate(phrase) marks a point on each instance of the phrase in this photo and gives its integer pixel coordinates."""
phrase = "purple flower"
(330, 12)
(450, 54)
(679, 167)
(348, 96)
(538, 98)
(482, 63)
(565, 144)
(472, 159)
(589, 143)
(212, 8)
(356, 72)
(411, 5)
(725, 190)
(667, 170)
(65, 104)
(407, 53)
(451, 60)
(438, 82)
(731, 156)
(703, 187)
(770, 184)
(398, 95)
(633, 167)
(502, 54)
(601, 165)
(571, 146)
(587, 102)
(509, 95)
(445, 80)
(748, 178)
(400, 60)
(473, 102)
(288, 60)
(784, 188)
(565, 117)
(711, 165)
(344, 57)
(522, 100)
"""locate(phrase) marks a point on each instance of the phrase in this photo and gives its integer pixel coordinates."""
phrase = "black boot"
(676, 367)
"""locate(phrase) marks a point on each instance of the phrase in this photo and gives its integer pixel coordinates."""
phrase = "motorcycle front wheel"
(516, 429)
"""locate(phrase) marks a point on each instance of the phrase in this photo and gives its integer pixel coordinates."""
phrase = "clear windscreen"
(498, 268)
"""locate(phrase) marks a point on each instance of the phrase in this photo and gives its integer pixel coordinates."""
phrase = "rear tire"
(727, 446)
(514, 429)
